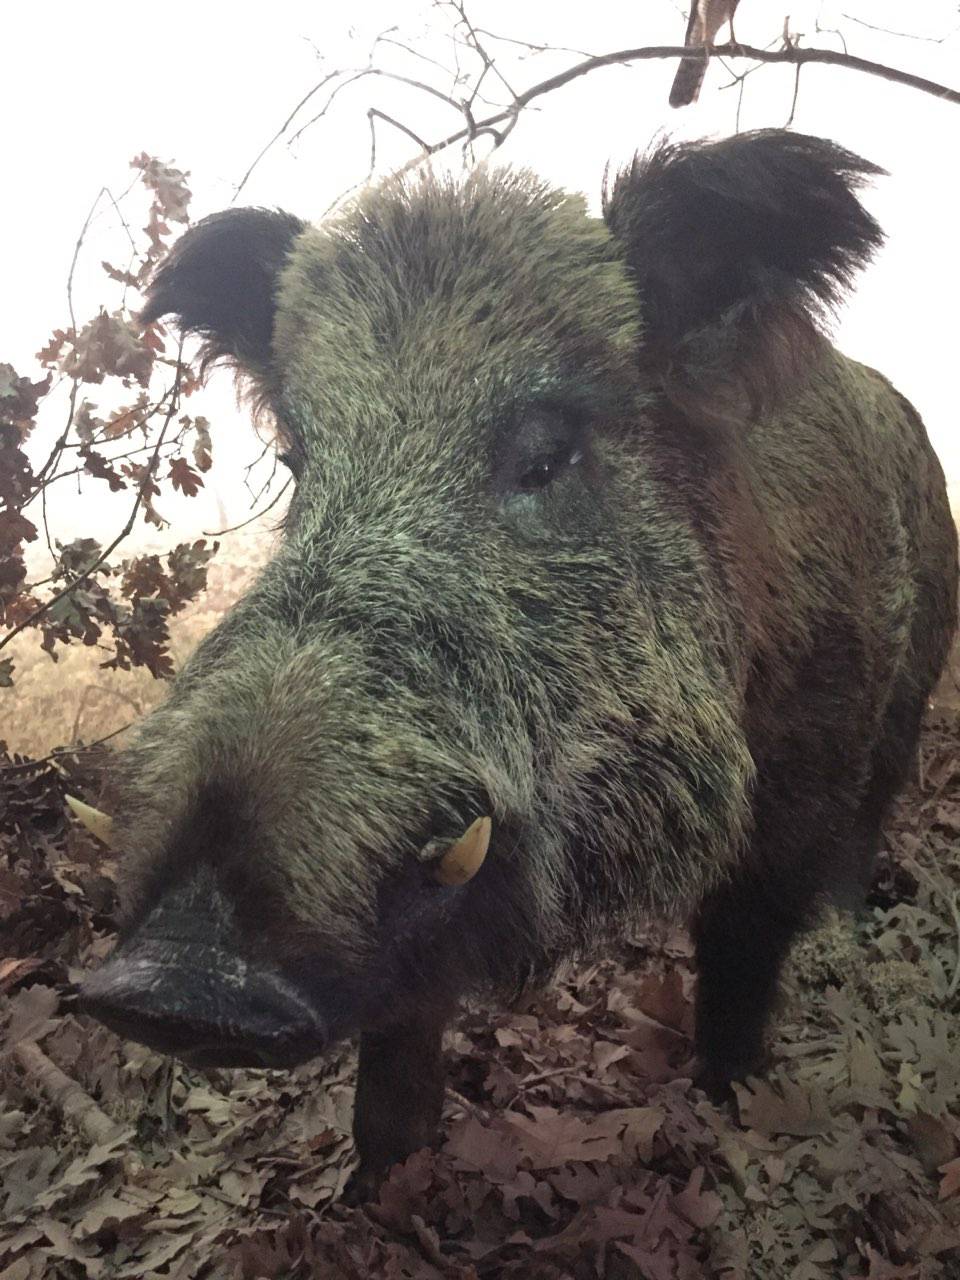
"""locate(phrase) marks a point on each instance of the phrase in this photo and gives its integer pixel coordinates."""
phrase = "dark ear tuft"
(220, 282)
(738, 247)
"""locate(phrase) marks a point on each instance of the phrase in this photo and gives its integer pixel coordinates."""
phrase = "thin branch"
(29, 765)
(47, 605)
(489, 64)
(414, 53)
(43, 513)
(375, 113)
(256, 515)
(534, 48)
(255, 497)
(60, 444)
(174, 443)
(75, 1103)
(832, 31)
(624, 57)
(386, 75)
(901, 35)
(791, 56)
(84, 701)
(76, 254)
(282, 130)
(796, 94)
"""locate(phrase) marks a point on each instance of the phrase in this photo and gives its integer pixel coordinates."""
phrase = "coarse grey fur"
(594, 532)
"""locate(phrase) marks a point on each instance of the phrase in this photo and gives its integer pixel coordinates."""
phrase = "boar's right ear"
(220, 281)
(738, 248)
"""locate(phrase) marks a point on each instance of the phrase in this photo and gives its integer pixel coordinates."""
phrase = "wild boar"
(599, 553)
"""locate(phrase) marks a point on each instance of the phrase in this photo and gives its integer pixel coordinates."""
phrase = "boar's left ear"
(220, 281)
(738, 248)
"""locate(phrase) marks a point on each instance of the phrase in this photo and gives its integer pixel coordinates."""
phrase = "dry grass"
(73, 699)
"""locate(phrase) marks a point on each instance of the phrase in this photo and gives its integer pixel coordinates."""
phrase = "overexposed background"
(204, 86)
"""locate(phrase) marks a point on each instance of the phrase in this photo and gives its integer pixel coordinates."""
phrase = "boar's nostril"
(204, 1006)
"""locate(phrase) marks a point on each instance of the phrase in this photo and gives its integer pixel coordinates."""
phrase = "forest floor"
(574, 1144)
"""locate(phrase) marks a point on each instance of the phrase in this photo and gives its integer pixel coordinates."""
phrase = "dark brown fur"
(594, 532)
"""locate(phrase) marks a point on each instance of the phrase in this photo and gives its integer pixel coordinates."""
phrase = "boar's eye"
(546, 469)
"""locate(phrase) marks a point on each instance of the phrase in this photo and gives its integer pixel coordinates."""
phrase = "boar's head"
(495, 594)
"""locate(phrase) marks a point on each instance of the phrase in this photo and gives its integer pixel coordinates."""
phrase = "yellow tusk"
(96, 822)
(463, 860)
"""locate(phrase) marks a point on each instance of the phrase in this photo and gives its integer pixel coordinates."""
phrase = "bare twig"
(793, 101)
(489, 63)
(75, 1103)
(282, 130)
(90, 689)
(420, 85)
(792, 56)
(414, 53)
(900, 35)
(47, 605)
(256, 515)
(29, 765)
(471, 1108)
(58, 447)
(499, 122)
(375, 113)
(117, 457)
(534, 48)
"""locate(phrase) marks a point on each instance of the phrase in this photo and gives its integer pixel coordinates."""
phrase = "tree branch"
(791, 56)
(102, 558)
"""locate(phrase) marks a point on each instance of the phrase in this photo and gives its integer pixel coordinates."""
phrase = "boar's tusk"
(462, 861)
(96, 822)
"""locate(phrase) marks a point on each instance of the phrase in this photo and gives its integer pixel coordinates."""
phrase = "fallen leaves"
(574, 1145)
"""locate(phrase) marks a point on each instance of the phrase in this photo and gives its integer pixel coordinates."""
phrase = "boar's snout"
(181, 983)
(205, 1006)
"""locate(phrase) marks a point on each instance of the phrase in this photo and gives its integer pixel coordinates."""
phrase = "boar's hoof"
(717, 1079)
(363, 1187)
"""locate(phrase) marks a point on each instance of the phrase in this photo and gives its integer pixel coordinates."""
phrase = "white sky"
(203, 85)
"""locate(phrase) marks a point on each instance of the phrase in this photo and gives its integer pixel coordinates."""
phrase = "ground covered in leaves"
(574, 1144)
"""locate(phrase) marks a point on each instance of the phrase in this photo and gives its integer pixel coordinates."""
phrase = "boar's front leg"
(400, 1087)
(742, 934)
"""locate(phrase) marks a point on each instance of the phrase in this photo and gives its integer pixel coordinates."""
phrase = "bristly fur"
(682, 680)
(738, 247)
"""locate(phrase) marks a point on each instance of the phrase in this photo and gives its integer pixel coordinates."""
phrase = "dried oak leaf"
(95, 464)
(492, 1149)
(123, 421)
(86, 425)
(202, 446)
(20, 399)
(950, 1182)
(110, 345)
(794, 1109)
(185, 478)
(169, 186)
(122, 275)
(548, 1138)
(16, 474)
(142, 638)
